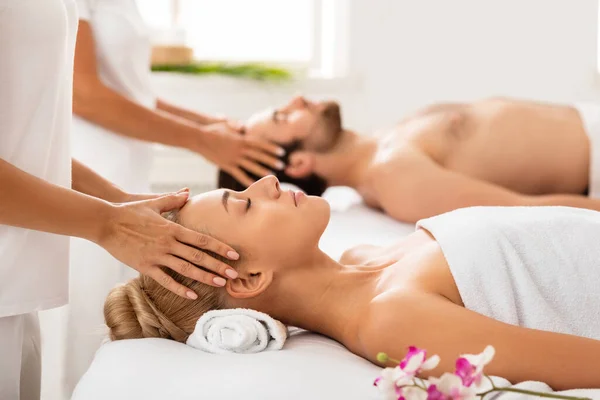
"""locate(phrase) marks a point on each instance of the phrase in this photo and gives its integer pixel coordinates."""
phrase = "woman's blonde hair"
(142, 308)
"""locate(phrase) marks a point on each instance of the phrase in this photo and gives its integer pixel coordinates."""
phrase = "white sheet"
(309, 366)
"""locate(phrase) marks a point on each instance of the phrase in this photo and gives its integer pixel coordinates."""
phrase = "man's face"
(300, 120)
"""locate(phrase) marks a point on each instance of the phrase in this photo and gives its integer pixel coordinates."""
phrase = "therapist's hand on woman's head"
(235, 153)
(140, 237)
(129, 197)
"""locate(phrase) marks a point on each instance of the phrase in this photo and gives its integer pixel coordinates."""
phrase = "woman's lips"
(299, 196)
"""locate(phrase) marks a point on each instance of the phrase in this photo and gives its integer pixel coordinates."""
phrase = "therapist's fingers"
(198, 258)
(264, 159)
(192, 271)
(201, 241)
(235, 125)
(240, 176)
(263, 145)
(150, 196)
(143, 196)
(254, 168)
(163, 279)
(168, 202)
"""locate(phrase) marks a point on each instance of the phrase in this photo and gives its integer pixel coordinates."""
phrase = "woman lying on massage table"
(524, 280)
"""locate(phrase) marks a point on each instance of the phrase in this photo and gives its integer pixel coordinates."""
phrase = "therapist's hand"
(233, 124)
(235, 153)
(140, 237)
(123, 197)
(129, 197)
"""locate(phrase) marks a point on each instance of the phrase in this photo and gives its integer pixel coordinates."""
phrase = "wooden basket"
(172, 55)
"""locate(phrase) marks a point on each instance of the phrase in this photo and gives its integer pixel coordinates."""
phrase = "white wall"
(415, 52)
(407, 53)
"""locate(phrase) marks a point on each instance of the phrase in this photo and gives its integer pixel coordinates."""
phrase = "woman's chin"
(318, 208)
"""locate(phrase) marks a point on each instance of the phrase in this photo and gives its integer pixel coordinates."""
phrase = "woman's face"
(267, 223)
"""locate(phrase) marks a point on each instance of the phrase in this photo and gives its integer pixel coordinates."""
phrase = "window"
(299, 33)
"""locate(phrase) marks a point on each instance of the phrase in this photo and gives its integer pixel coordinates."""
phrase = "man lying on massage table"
(449, 287)
(492, 152)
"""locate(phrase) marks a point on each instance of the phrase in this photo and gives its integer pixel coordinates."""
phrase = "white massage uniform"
(37, 41)
(536, 267)
(123, 53)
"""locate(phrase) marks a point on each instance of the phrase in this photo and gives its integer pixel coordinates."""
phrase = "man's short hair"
(330, 122)
(312, 185)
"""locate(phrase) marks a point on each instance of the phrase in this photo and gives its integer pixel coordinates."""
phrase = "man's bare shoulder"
(392, 162)
(394, 180)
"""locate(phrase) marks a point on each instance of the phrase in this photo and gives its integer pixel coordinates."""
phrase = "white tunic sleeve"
(84, 9)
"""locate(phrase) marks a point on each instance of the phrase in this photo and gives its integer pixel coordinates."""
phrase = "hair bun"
(130, 314)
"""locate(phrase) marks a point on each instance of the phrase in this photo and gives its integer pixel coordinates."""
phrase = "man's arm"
(419, 188)
(446, 329)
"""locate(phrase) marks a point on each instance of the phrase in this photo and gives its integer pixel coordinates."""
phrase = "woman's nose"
(267, 186)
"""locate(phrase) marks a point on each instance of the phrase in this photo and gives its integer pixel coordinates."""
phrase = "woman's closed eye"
(242, 206)
(278, 116)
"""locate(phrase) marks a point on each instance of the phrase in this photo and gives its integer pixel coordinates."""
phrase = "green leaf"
(253, 71)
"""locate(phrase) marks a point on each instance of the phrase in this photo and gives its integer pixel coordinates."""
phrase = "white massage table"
(309, 367)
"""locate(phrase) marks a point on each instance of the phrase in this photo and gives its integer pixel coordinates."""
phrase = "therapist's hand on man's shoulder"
(137, 234)
(236, 154)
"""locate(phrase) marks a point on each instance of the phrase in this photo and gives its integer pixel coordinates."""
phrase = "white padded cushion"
(309, 367)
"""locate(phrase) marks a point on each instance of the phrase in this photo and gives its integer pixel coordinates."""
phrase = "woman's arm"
(96, 102)
(441, 327)
(219, 143)
(133, 233)
(196, 117)
(32, 203)
(85, 180)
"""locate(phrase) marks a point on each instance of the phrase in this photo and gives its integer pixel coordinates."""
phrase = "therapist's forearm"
(29, 202)
(198, 118)
(87, 181)
(103, 106)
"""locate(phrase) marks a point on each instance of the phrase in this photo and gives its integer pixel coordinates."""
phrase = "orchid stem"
(529, 392)
(418, 387)
(491, 381)
(532, 393)
(420, 383)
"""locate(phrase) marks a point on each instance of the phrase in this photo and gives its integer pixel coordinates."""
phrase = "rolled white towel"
(237, 330)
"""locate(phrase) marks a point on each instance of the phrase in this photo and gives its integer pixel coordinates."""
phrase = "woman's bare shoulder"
(359, 254)
(386, 320)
